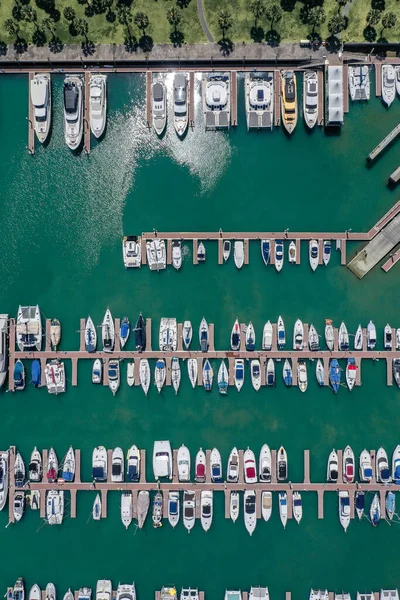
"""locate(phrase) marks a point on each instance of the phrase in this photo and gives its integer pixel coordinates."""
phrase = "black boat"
(140, 334)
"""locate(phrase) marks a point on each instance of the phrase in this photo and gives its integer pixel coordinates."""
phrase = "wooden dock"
(234, 116)
(392, 260)
(86, 114)
(149, 80)
(277, 98)
(384, 144)
(191, 99)
(321, 98)
(31, 130)
(378, 79)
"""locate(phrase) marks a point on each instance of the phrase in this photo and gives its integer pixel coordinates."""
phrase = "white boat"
(283, 511)
(388, 84)
(343, 338)
(270, 373)
(226, 250)
(267, 336)
(175, 374)
(259, 98)
(281, 341)
(144, 375)
(208, 375)
(397, 72)
(187, 334)
(302, 379)
(126, 508)
(389, 595)
(382, 466)
(206, 509)
(264, 464)
(287, 373)
(130, 373)
(298, 335)
(181, 100)
(103, 590)
(375, 510)
(351, 372)
(35, 592)
(359, 84)
(365, 466)
(162, 460)
(96, 511)
(326, 253)
(51, 466)
(200, 467)
(239, 373)
(133, 463)
(19, 471)
(90, 336)
(333, 466)
(396, 465)
(4, 473)
(132, 252)
(35, 466)
(358, 338)
(281, 464)
(387, 337)
(41, 102)
(390, 503)
(232, 474)
(158, 509)
(114, 376)
(160, 374)
(55, 333)
(97, 371)
(168, 593)
(255, 371)
(371, 336)
(73, 110)
(29, 328)
(313, 254)
(4, 348)
(168, 335)
(266, 505)
(189, 508)
(344, 509)
(183, 460)
(297, 506)
(215, 466)
(18, 505)
(313, 339)
(126, 591)
(142, 507)
(156, 254)
(250, 516)
(292, 252)
(173, 508)
(279, 255)
(249, 467)
(159, 106)
(54, 372)
(192, 371)
(117, 465)
(203, 335)
(98, 103)
(329, 334)
(348, 465)
(99, 464)
(314, 595)
(310, 98)
(238, 253)
(50, 593)
(223, 378)
(319, 372)
(108, 332)
(176, 254)
(68, 595)
(55, 507)
(234, 506)
(216, 92)
(201, 252)
(398, 339)
(250, 338)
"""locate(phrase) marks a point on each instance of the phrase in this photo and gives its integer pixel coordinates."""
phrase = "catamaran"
(259, 95)
(216, 88)
(29, 328)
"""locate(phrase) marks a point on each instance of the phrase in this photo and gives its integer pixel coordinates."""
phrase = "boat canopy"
(250, 472)
(98, 473)
(385, 474)
(360, 501)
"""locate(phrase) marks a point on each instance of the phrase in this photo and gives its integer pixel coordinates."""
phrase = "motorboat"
(29, 328)
(233, 595)
(192, 371)
(348, 465)
(313, 254)
(18, 505)
(343, 338)
(365, 466)
(281, 464)
(359, 84)
(250, 516)
(183, 460)
(238, 253)
(314, 595)
(96, 510)
(203, 335)
(310, 98)
(397, 72)
(103, 590)
(313, 339)
(85, 593)
(168, 593)
(126, 591)
(382, 466)
(68, 466)
(215, 466)
(278, 255)
(292, 252)
(239, 373)
(73, 110)
(157, 512)
(54, 372)
(375, 510)
(319, 372)
(283, 510)
(297, 507)
(18, 591)
(162, 460)
(35, 466)
(189, 594)
(216, 92)
(156, 254)
(266, 505)
(133, 463)
(351, 372)
(124, 331)
(326, 252)
(90, 335)
(55, 333)
(4, 348)
(55, 507)
(250, 338)
(266, 251)
(142, 507)
(371, 336)
(159, 106)
(160, 374)
(19, 376)
(235, 336)
(281, 342)
(206, 509)
(189, 509)
(334, 375)
(117, 465)
(287, 373)
(232, 474)
(255, 372)
(187, 334)
(208, 375)
(249, 467)
(270, 374)
(97, 371)
(175, 373)
(168, 335)
(126, 508)
(396, 465)
(226, 249)
(173, 508)
(130, 373)
(390, 504)
(264, 464)
(52, 466)
(344, 509)
(114, 375)
(40, 88)
(387, 337)
(302, 379)
(389, 595)
(201, 252)
(288, 100)
(69, 595)
(176, 254)
(132, 251)
(144, 375)
(50, 593)
(4, 474)
(396, 371)
(234, 506)
(181, 102)
(358, 338)
(108, 332)
(298, 335)
(398, 338)
(360, 504)
(388, 84)
(200, 467)
(223, 378)
(332, 471)
(329, 335)
(267, 336)
(259, 98)
(99, 464)
(98, 103)
(19, 471)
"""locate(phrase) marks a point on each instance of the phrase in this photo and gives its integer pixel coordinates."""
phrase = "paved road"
(200, 10)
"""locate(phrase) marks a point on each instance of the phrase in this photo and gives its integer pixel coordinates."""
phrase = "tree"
(82, 28)
(12, 27)
(141, 21)
(257, 7)
(273, 14)
(29, 14)
(124, 15)
(316, 16)
(224, 21)
(69, 14)
(341, 3)
(389, 20)
(336, 24)
(373, 17)
(48, 23)
(174, 17)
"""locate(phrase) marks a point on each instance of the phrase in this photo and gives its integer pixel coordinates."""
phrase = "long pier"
(31, 130)
(384, 143)
(86, 115)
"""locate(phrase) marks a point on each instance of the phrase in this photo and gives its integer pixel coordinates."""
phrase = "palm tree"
(174, 17)
(273, 13)
(316, 16)
(373, 17)
(224, 21)
(389, 20)
(82, 28)
(141, 21)
(69, 14)
(257, 7)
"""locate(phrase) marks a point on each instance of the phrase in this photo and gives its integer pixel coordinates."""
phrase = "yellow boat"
(289, 100)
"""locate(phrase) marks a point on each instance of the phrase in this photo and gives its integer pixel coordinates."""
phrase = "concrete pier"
(149, 78)
(277, 99)
(384, 144)
(321, 98)
(378, 79)
(191, 99)
(234, 118)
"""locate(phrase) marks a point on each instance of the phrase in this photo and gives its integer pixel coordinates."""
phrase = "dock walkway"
(384, 143)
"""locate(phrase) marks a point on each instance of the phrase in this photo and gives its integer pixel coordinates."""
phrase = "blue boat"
(287, 373)
(265, 250)
(390, 505)
(36, 373)
(19, 376)
(334, 375)
(360, 504)
(207, 376)
(124, 331)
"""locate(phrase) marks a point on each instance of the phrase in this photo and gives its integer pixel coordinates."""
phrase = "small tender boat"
(313, 254)
(329, 335)
(264, 464)
(226, 250)
(126, 508)
(239, 373)
(157, 513)
(283, 513)
(160, 374)
(175, 374)
(98, 103)
(326, 255)
(348, 465)
(310, 98)
(302, 379)
(250, 517)
(55, 333)
(189, 509)
(203, 335)
(375, 510)
(279, 255)
(173, 508)
(267, 336)
(298, 335)
(144, 375)
(371, 336)
(281, 333)
(281, 464)
(255, 371)
(388, 84)
(382, 466)
(266, 505)
(200, 466)
(249, 467)
(159, 106)
(360, 504)
(215, 466)
(313, 339)
(130, 373)
(97, 371)
(235, 336)
(192, 371)
(234, 506)
(332, 469)
(90, 336)
(19, 376)
(287, 373)
(365, 466)
(52, 466)
(319, 373)
(343, 338)
(266, 251)
(297, 507)
(292, 253)
(351, 372)
(344, 509)
(208, 375)
(108, 332)
(35, 466)
(124, 331)
(187, 334)
(201, 252)
(334, 375)
(206, 509)
(387, 337)
(96, 511)
(270, 375)
(238, 253)
(232, 474)
(133, 463)
(250, 338)
(358, 338)
(176, 254)
(113, 376)
(68, 466)
(183, 459)
(390, 505)
(117, 465)
(396, 465)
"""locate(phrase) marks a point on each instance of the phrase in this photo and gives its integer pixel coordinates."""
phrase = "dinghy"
(113, 376)
(206, 509)
(96, 511)
(36, 373)
(255, 371)
(201, 252)
(375, 511)
(334, 375)
(189, 509)
(313, 254)
(226, 250)
(223, 378)
(302, 380)
(144, 375)
(203, 335)
(264, 464)
(232, 474)
(270, 376)
(281, 464)
(238, 253)
(192, 371)
(343, 338)
(235, 336)
(108, 332)
(344, 509)
(329, 335)
(313, 339)
(208, 375)
(126, 509)
(187, 333)
(266, 505)
(90, 336)
(175, 374)
(319, 373)
(97, 371)
(249, 467)
(332, 469)
(234, 506)
(390, 505)
(326, 256)
(52, 466)
(176, 254)
(365, 466)
(387, 337)
(183, 460)
(358, 338)
(382, 466)
(351, 372)
(265, 251)
(250, 517)
(360, 504)
(160, 374)
(173, 508)
(124, 331)
(215, 466)
(297, 507)
(117, 466)
(130, 373)
(68, 466)
(35, 466)
(298, 335)
(348, 465)
(279, 255)
(267, 336)
(281, 333)
(371, 336)
(157, 513)
(292, 253)
(287, 373)
(283, 512)
(250, 338)
(200, 467)
(239, 373)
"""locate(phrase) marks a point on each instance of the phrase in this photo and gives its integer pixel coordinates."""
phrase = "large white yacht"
(162, 460)
(216, 100)
(103, 589)
(168, 335)
(55, 507)
(156, 254)
(73, 110)
(98, 103)
(310, 98)
(29, 328)
(132, 251)
(41, 101)
(388, 84)
(3, 348)
(359, 84)
(55, 377)
(181, 94)
(259, 90)
(159, 106)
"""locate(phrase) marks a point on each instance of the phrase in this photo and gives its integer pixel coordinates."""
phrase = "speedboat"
(4, 468)
(208, 375)
(313, 254)
(343, 338)
(223, 378)
(99, 464)
(371, 336)
(144, 375)
(201, 252)
(168, 335)
(18, 505)
(52, 466)
(281, 333)
(96, 511)
(313, 339)
(287, 373)
(203, 335)
(382, 466)
(117, 465)
(189, 509)
(18, 591)
(181, 116)
(215, 466)
(35, 466)
(98, 103)
(319, 373)
(126, 508)
(255, 371)
(266, 251)
(226, 250)
(68, 466)
(351, 372)
(250, 516)
(173, 508)
(283, 510)
(108, 332)
(126, 591)
(344, 509)
(270, 375)
(360, 504)
(160, 374)
(259, 99)
(114, 376)
(278, 255)
(234, 506)
(239, 373)
(19, 376)
(157, 513)
(238, 253)
(396, 371)
(232, 474)
(50, 593)
(302, 379)
(187, 333)
(175, 373)
(267, 336)
(90, 336)
(396, 465)
(250, 338)
(4, 343)
(176, 254)
(375, 510)
(298, 335)
(206, 509)
(133, 463)
(365, 466)
(326, 253)
(348, 465)
(159, 106)
(41, 102)
(200, 467)
(142, 507)
(292, 252)
(97, 371)
(297, 507)
(310, 98)
(249, 467)
(54, 372)
(235, 336)
(192, 371)
(55, 507)
(130, 373)
(266, 505)
(329, 335)
(103, 590)
(162, 460)
(288, 100)
(216, 92)
(29, 328)
(358, 338)
(332, 469)
(73, 110)
(19, 471)
(387, 337)
(124, 331)
(183, 460)
(85, 593)
(390, 505)
(156, 254)
(281, 464)
(55, 333)
(264, 464)
(132, 251)
(388, 84)
(334, 375)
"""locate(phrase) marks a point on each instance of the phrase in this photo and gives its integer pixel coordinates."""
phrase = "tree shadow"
(226, 46)
(183, 3)
(20, 45)
(89, 10)
(88, 48)
(378, 4)
(288, 5)
(130, 43)
(17, 12)
(273, 38)
(55, 15)
(3, 48)
(146, 43)
(177, 38)
(333, 44)
(111, 16)
(315, 40)
(72, 29)
(257, 33)
(56, 45)
(369, 33)
(39, 38)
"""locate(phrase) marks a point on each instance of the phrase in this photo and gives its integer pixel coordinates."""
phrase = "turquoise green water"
(61, 224)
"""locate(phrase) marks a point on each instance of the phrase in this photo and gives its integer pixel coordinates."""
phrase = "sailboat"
(108, 332)
(175, 374)
(144, 374)
(223, 378)
(192, 371)
(96, 511)
(90, 335)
